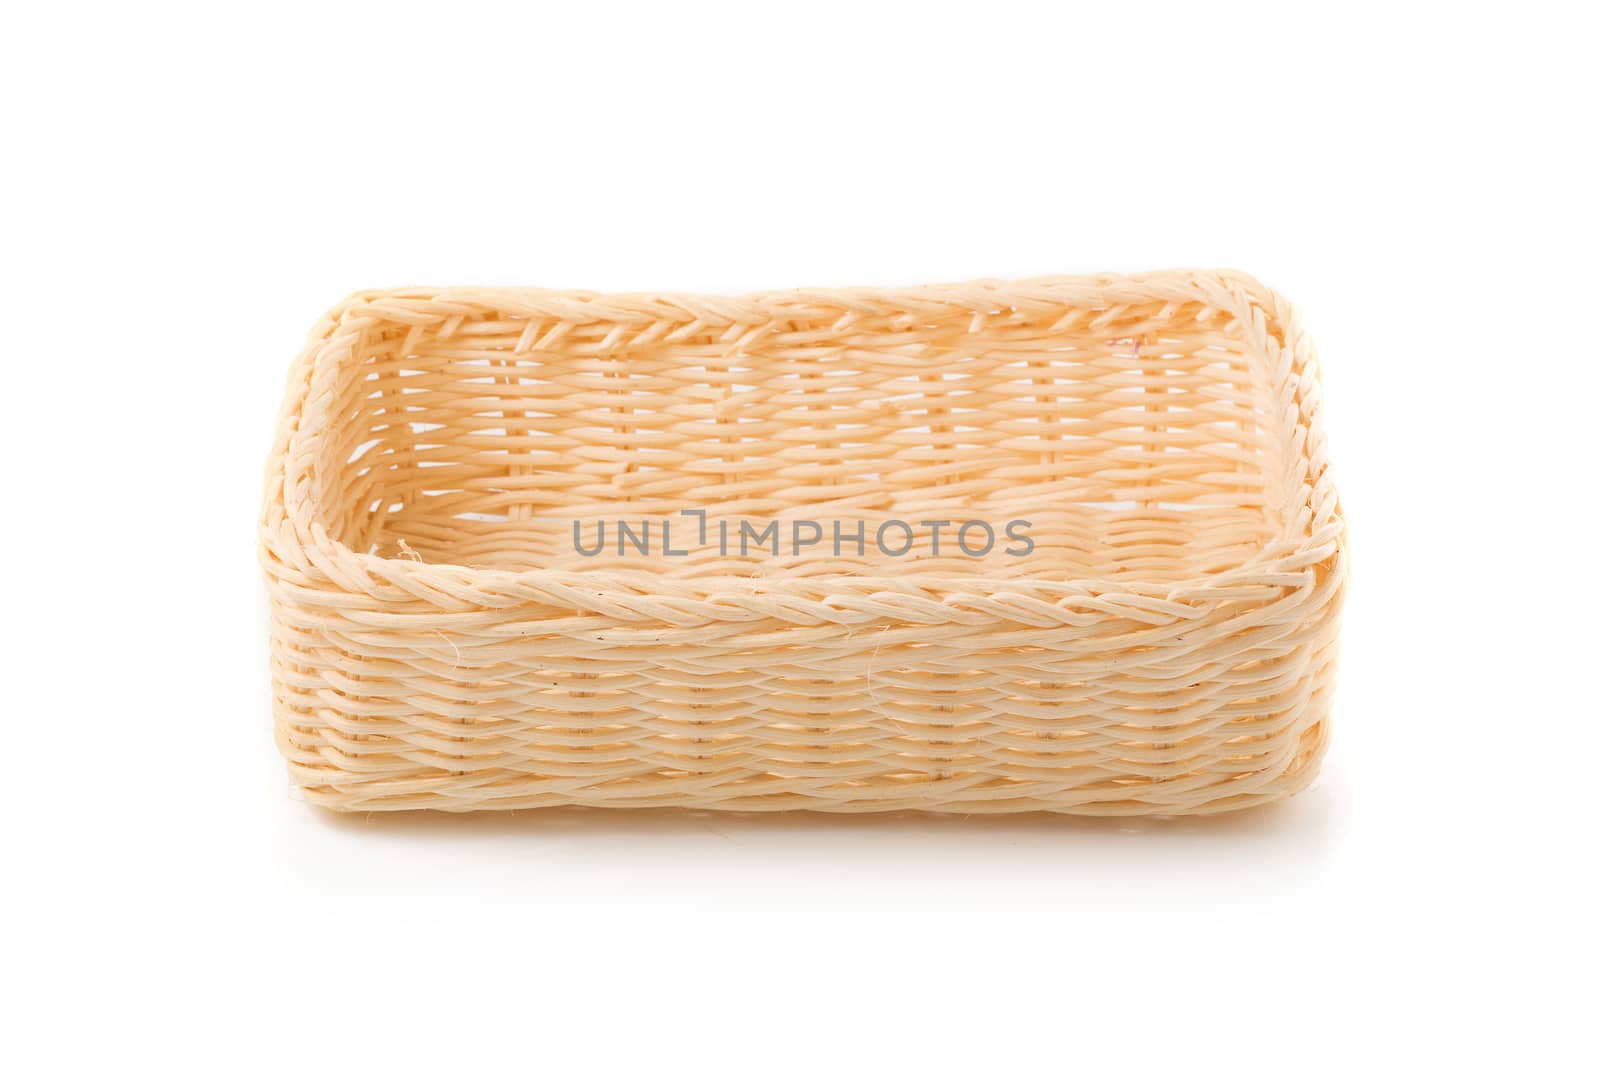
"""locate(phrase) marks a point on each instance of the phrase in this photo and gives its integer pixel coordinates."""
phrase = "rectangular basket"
(1066, 544)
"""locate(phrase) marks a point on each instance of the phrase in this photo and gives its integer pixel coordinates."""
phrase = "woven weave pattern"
(1164, 645)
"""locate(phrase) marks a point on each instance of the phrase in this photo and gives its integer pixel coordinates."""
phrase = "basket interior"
(1134, 443)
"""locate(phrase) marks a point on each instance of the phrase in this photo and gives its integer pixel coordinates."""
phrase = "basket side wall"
(521, 712)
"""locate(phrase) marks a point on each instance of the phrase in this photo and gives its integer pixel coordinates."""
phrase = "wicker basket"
(528, 548)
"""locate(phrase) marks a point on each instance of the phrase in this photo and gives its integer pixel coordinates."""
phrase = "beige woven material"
(1167, 646)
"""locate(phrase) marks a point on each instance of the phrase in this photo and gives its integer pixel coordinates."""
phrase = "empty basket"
(1066, 544)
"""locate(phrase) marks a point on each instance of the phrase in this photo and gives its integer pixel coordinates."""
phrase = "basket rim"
(295, 547)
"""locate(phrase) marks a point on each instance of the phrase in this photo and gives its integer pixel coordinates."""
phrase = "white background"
(186, 190)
